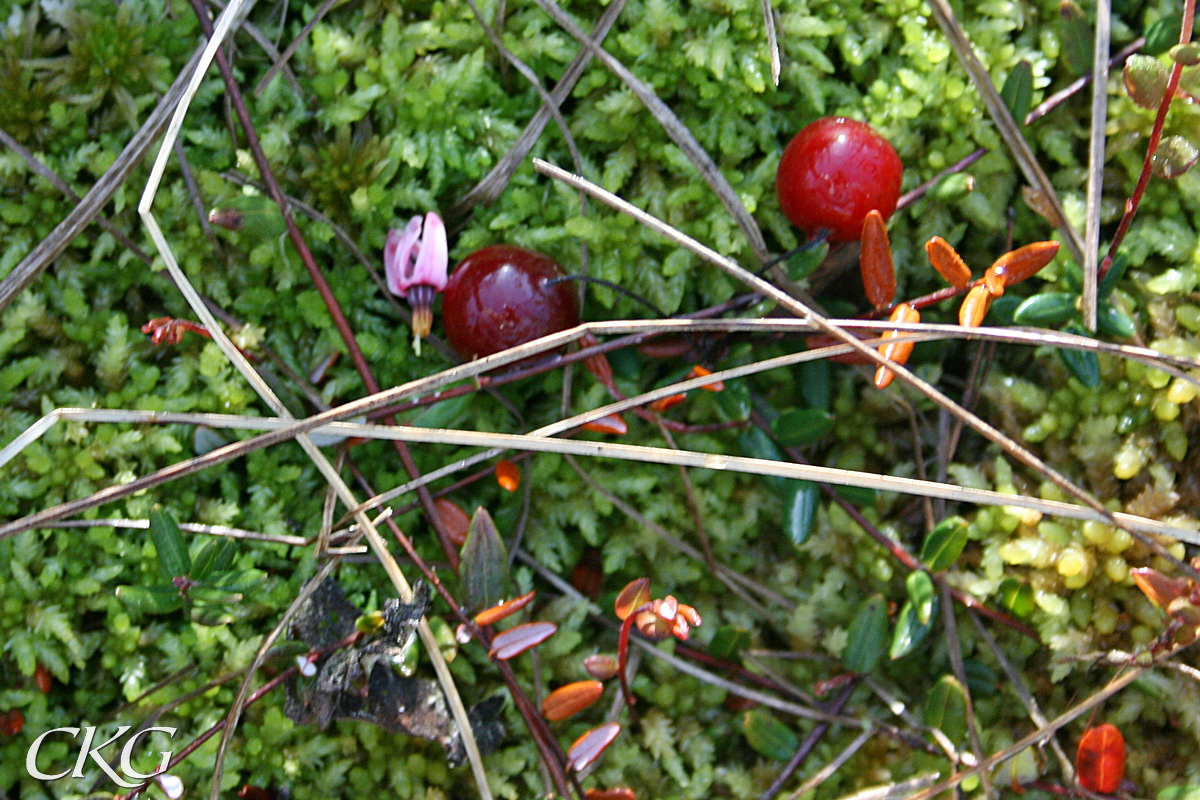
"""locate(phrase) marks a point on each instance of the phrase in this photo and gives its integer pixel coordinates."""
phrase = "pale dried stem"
(1023, 694)
(1041, 734)
(228, 21)
(954, 653)
(803, 312)
(97, 197)
(675, 129)
(1005, 124)
(283, 429)
(1095, 187)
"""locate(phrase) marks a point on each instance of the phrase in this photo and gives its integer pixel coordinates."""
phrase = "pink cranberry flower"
(415, 261)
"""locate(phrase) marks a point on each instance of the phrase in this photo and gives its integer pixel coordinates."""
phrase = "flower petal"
(433, 259)
(398, 256)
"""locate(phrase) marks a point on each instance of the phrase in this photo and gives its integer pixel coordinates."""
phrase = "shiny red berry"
(503, 296)
(833, 172)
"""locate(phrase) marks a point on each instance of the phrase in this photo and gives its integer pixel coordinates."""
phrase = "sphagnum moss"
(402, 113)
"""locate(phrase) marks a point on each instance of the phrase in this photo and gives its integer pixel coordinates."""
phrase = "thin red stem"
(1160, 119)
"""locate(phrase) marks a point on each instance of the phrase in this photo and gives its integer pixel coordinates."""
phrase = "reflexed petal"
(398, 256)
(433, 260)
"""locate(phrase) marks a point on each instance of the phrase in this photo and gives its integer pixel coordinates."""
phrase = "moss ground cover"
(388, 110)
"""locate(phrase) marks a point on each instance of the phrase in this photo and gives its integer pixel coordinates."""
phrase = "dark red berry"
(503, 296)
(833, 172)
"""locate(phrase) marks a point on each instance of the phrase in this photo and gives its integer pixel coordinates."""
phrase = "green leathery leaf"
(1076, 37)
(1113, 321)
(799, 427)
(867, 637)
(1017, 597)
(213, 594)
(728, 643)
(944, 544)
(756, 444)
(769, 737)
(215, 556)
(1189, 791)
(946, 708)
(150, 599)
(816, 386)
(857, 495)
(1043, 310)
(734, 402)
(922, 594)
(1163, 34)
(800, 502)
(1085, 366)
(173, 559)
(1017, 93)
(1115, 272)
(484, 570)
(910, 631)
(801, 263)
(210, 615)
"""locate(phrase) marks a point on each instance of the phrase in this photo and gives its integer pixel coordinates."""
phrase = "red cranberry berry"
(503, 296)
(833, 172)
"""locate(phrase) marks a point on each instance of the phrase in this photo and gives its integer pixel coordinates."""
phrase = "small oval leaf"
(150, 599)
(216, 556)
(1174, 157)
(455, 521)
(490, 616)
(867, 638)
(635, 595)
(518, 639)
(1085, 366)
(946, 708)
(1113, 321)
(587, 748)
(507, 475)
(945, 544)
(799, 427)
(800, 503)
(484, 570)
(910, 631)
(922, 594)
(768, 736)
(1017, 597)
(1017, 93)
(1043, 310)
(568, 700)
(173, 559)
(734, 402)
